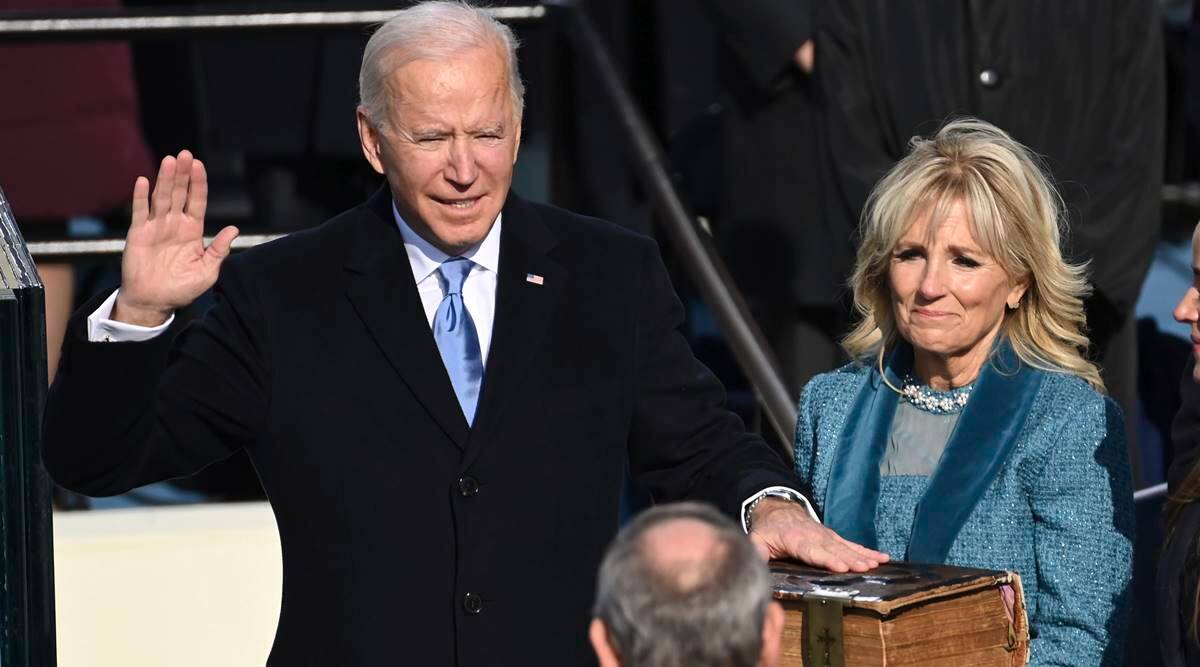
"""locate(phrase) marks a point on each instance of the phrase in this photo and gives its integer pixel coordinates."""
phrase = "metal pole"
(96, 247)
(1150, 493)
(41, 27)
(695, 246)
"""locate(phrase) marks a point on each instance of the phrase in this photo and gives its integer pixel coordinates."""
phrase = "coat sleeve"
(1083, 542)
(763, 36)
(121, 415)
(806, 434)
(683, 442)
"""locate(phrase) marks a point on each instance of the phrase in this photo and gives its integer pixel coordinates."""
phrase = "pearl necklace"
(938, 403)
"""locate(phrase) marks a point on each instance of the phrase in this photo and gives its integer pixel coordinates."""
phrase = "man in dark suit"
(440, 389)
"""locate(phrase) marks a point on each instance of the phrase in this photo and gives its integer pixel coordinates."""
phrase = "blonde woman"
(970, 430)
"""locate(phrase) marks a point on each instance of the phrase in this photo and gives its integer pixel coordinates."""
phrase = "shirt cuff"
(780, 491)
(103, 329)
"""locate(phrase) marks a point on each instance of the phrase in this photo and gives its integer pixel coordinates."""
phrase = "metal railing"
(101, 247)
(1150, 493)
(694, 244)
(133, 25)
(1186, 194)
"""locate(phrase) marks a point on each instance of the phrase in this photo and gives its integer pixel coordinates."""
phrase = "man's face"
(1187, 311)
(448, 145)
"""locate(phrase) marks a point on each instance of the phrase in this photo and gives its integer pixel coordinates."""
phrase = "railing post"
(27, 556)
(695, 247)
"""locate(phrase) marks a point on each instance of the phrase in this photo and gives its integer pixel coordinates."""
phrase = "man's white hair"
(691, 610)
(434, 30)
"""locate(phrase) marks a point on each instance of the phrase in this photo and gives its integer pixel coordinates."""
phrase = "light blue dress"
(1033, 479)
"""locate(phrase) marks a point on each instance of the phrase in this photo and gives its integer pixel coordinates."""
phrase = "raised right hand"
(165, 265)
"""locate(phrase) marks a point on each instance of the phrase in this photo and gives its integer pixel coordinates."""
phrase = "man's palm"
(165, 265)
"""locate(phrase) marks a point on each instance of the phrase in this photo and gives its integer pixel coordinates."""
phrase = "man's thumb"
(219, 248)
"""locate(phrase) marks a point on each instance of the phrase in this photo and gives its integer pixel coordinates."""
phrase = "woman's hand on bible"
(165, 265)
(783, 529)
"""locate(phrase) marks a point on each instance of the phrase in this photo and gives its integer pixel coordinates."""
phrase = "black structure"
(27, 555)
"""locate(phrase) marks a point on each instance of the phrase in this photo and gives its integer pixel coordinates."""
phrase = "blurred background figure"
(770, 225)
(682, 586)
(69, 113)
(1081, 82)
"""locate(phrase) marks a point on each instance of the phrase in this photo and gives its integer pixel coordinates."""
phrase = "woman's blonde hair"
(1013, 212)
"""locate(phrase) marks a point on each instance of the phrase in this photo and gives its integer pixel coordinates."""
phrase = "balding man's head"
(683, 554)
(681, 585)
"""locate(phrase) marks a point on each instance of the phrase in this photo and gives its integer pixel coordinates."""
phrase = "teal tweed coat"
(1034, 479)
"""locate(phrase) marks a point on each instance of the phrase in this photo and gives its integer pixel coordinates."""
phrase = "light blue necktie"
(456, 338)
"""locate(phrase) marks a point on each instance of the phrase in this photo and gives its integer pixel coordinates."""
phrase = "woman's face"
(948, 294)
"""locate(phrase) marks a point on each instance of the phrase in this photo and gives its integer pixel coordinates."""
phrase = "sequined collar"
(928, 399)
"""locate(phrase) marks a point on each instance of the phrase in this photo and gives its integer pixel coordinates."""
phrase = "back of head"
(1014, 213)
(682, 586)
(435, 30)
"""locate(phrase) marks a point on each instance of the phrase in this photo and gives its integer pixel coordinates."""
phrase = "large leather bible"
(901, 614)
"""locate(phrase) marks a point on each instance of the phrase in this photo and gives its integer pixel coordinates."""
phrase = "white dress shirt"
(478, 293)
(479, 289)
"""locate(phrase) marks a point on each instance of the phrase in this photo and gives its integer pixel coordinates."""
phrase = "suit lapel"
(854, 480)
(380, 286)
(523, 310)
(982, 442)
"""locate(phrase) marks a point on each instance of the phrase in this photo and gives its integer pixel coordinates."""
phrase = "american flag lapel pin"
(534, 278)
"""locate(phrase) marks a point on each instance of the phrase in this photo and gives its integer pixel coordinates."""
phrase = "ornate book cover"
(901, 614)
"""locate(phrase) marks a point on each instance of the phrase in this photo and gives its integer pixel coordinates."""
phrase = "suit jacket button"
(989, 78)
(472, 603)
(468, 486)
